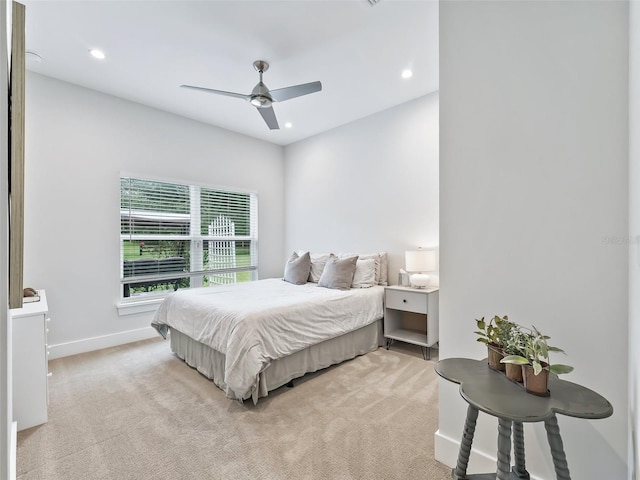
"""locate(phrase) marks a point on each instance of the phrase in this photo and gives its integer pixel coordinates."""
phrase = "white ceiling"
(356, 50)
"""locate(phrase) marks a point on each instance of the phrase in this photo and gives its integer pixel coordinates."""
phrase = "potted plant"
(534, 360)
(494, 334)
(515, 346)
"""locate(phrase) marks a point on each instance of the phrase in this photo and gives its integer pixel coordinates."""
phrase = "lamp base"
(419, 280)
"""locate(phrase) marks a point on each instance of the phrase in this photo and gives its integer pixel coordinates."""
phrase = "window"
(183, 236)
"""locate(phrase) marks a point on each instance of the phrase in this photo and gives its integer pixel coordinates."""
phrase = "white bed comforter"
(254, 323)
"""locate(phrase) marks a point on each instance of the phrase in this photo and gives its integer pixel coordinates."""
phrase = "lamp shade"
(420, 260)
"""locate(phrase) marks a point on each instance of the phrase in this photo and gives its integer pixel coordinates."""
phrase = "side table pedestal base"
(488, 476)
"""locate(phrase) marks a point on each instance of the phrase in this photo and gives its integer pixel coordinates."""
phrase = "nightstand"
(411, 316)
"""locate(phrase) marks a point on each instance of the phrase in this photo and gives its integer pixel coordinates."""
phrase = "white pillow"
(381, 264)
(384, 269)
(318, 260)
(365, 274)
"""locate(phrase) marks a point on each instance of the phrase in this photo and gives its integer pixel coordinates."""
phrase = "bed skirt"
(211, 363)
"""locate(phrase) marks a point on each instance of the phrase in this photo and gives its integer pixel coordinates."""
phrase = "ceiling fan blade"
(219, 92)
(269, 117)
(282, 94)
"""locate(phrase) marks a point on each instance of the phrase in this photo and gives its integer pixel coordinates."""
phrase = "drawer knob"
(404, 300)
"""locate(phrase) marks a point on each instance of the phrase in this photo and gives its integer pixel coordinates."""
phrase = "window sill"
(133, 307)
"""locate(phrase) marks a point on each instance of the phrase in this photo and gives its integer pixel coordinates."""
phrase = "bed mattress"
(254, 323)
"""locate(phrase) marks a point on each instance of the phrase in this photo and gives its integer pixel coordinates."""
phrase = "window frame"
(195, 269)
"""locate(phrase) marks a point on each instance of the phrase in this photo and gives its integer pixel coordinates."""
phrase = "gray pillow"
(338, 273)
(296, 270)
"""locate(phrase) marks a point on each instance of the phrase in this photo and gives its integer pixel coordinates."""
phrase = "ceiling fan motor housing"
(260, 95)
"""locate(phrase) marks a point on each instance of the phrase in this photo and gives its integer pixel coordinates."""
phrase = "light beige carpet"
(138, 412)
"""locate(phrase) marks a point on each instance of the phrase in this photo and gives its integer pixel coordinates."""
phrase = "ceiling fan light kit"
(260, 101)
(262, 98)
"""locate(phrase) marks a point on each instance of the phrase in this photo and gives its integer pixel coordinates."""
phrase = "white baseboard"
(13, 448)
(446, 451)
(98, 343)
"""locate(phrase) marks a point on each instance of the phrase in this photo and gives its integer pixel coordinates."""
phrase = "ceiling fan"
(262, 98)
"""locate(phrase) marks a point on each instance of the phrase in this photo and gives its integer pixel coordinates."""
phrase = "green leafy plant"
(515, 344)
(485, 331)
(532, 348)
(496, 332)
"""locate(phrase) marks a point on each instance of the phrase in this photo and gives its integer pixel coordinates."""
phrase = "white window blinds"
(180, 236)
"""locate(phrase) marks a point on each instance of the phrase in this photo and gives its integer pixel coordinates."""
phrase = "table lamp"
(417, 263)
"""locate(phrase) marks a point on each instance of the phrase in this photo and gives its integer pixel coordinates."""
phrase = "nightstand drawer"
(406, 301)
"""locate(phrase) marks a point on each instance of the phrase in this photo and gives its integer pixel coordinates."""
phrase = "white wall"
(371, 185)
(78, 142)
(534, 208)
(634, 237)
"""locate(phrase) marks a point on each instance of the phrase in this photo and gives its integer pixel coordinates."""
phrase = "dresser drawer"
(407, 301)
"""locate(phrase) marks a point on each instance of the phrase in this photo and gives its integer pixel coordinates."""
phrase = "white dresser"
(29, 326)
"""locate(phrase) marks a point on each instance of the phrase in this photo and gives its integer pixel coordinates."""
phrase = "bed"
(251, 338)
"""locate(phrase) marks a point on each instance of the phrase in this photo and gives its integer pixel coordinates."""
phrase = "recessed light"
(407, 73)
(288, 125)
(95, 53)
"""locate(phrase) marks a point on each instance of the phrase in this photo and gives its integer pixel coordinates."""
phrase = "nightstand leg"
(504, 449)
(426, 353)
(557, 448)
(460, 472)
(519, 469)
